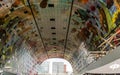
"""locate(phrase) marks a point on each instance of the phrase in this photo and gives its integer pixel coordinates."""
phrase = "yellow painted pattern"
(115, 16)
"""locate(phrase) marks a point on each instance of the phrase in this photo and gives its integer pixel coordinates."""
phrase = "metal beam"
(37, 28)
(66, 39)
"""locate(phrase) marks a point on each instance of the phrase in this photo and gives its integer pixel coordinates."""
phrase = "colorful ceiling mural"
(57, 28)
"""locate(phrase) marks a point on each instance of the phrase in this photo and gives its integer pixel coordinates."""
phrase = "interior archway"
(79, 31)
(56, 66)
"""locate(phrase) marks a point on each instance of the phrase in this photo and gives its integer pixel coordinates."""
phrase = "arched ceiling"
(59, 28)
